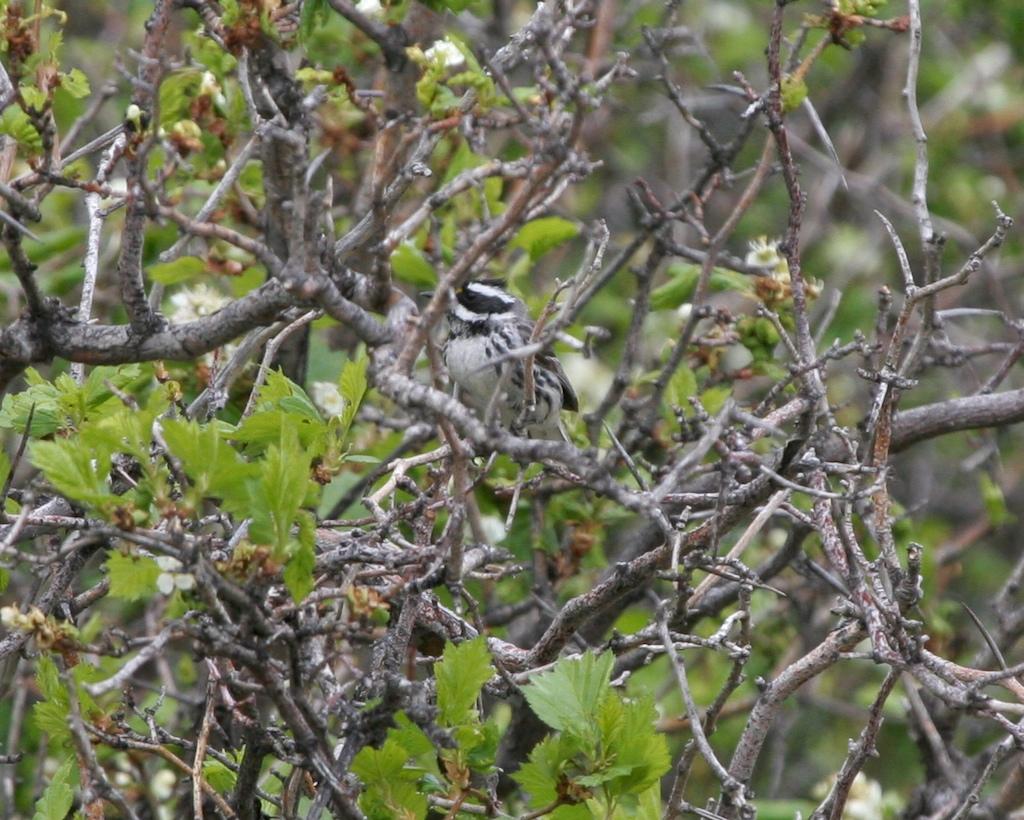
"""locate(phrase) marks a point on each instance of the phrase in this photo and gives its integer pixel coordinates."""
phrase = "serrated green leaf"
(639, 753)
(51, 715)
(33, 97)
(411, 737)
(265, 427)
(180, 270)
(298, 572)
(567, 698)
(177, 91)
(59, 795)
(16, 124)
(278, 492)
(374, 766)
(461, 674)
(210, 462)
(410, 265)
(132, 577)
(539, 236)
(41, 402)
(74, 470)
(300, 404)
(75, 83)
(541, 774)
(48, 679)
(391, 790)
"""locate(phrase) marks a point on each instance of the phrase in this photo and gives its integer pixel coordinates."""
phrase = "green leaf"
(391, 788)
(298, 572)
(16, 124)
(461, 674)
(539, 236)
(75, 83)
(212, 464)
(75, 471)
(278, 492)
(218, 775)
(681, 386)
(352, 384)
(541, 774)
(132, 577)
(180, 270)
(714, 397)
(59, 795)
(33, 97)
(177, 91)
(48, 679)
(678, 289)
(265, 427)
(51, 715)
(410, 265)
(41, 401)
(683, 282)
(314, 13)
(411, 737)
(374, 766)
(451, 5)
(794, 92)
(639, 753)
(568, 697)
(995, 501)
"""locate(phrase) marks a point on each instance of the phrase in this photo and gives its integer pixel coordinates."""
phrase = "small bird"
(486, 323)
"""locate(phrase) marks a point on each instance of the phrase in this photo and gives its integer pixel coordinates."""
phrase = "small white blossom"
(184, 581)
(209, 87)
(866, 799)
(326, 396)
(193, 303)
(493, 527)
(9, 616)
(168, 564)
(172, 577)
(162, 784)
(371, 8)
(764, 253)
(446, 52)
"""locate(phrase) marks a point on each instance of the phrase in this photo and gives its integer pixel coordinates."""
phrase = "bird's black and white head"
(479, 306)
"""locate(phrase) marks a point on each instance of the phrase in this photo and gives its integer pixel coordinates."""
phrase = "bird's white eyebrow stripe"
(466, 315)
(490, 290)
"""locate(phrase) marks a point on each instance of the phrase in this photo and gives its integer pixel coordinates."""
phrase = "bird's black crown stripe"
(482, 302)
